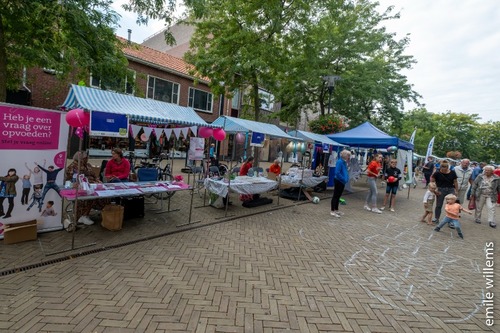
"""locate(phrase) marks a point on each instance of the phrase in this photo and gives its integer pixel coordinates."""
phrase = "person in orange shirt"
(275, 168)
(452, 209)
(373, 172)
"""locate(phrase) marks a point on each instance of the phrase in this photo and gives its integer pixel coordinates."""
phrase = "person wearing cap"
(83, 167)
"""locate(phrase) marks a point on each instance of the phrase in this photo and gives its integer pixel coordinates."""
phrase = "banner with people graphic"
(33, 146)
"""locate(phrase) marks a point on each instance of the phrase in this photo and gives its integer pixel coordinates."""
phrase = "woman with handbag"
(485, 190)
(446, 182)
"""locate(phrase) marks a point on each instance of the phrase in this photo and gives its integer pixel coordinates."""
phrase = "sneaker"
(435, 220)
(493, 224)
(334, 214)
(437, 229)
(382, 208)
(392, 210)
(367, 208)
(85, 220)
(461, 235)
(339, 213)
(377, 211)
(451, 226)
(478, 221)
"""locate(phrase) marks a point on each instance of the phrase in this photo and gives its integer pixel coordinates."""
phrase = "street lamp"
(330, 81)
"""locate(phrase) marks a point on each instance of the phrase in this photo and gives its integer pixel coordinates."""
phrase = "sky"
(456, 45)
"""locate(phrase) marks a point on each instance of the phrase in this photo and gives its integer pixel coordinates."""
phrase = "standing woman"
(8, 190)
(485, 189)
(341, 178)
(373, 171)
(446, 182)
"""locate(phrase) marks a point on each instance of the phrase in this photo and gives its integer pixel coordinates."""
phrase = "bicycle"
(164, 173)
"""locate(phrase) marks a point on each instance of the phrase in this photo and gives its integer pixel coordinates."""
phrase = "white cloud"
(456, 44)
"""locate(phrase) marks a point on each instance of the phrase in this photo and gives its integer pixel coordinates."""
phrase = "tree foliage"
(240, 44)
(453, 132)
(59, 35)
(347, 38)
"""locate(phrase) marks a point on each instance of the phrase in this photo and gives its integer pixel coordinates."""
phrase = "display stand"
(189, 222)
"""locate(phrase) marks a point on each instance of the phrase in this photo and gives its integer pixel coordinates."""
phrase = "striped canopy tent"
(137, 109)
(235, 125)
(314, 137)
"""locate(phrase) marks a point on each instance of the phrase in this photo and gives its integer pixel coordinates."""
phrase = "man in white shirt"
(464, 173)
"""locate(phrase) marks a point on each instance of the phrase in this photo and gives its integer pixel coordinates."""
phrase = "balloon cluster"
(218, 133)
(79, 119)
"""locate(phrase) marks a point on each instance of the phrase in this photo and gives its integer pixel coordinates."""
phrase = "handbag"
(472, 203)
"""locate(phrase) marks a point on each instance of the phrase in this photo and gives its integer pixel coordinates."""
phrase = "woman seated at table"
(275, 168)
(71, 173)
(117, 168)
(246, 166)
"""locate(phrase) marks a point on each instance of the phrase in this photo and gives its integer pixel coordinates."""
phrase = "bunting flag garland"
(135, 130)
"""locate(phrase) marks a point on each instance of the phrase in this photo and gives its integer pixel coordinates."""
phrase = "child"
(36, 198)
(392, 175)
(49, 210)
(452, 209)
(429, 198)
(26, 189)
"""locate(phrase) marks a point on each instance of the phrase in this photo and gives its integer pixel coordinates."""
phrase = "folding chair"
(213, 171)
(148, 175)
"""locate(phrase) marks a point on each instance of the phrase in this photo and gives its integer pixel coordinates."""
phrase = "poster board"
(257, 139)
(108, 124)
(196, 149)
(31, 136)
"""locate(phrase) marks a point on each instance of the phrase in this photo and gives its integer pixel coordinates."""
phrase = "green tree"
(487, 141)
(239, 44)
(59, 35)
(347, 39)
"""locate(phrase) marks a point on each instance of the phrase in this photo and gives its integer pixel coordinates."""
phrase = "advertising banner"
(108, 124)
(33, 146)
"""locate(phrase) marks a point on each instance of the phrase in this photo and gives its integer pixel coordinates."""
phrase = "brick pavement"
(292, 269)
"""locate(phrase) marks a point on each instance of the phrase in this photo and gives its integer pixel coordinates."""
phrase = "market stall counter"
(240, 185)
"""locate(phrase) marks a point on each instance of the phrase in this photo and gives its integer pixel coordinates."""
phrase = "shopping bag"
(472, 203)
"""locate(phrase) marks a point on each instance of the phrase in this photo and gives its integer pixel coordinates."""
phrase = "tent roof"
(367, 135)
(309, 136)
(136, 108)
(233, 125)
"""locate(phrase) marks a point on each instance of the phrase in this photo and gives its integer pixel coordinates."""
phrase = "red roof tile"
(154, 57)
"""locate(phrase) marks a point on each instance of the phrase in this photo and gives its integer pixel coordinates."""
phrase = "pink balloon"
(144, 138)
(77, 118)
(240, 138)
(219, 134)
(205, 132)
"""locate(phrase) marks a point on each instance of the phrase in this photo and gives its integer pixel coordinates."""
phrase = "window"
(162, 90)
(119, 85)
(200, 100)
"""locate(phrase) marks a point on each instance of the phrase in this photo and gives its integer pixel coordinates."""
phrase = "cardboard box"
(20, 232)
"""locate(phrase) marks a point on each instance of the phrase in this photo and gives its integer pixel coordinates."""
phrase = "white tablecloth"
(306, 182)
(241, 185)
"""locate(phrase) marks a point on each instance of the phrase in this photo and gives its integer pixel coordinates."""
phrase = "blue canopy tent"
(235, 125)
(314, 137)
(239, 125)
(368, 136)
(137, 109)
